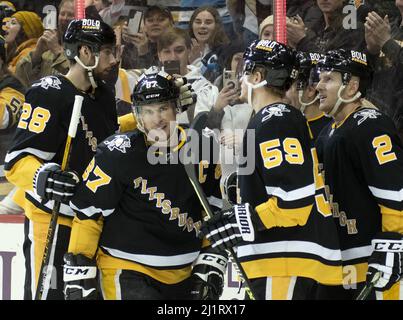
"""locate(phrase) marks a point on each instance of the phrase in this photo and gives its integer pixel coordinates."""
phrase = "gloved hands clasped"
(387, 259)
(51, 183)
(229, 227)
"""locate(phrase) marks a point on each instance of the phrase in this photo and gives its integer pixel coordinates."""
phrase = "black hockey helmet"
(273, 56)
(93, 33)
(349, 63)
(305, 64)
(154, 86)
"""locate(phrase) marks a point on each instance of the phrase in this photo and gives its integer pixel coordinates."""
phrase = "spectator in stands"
(266, 29)
(140, 50)
(48, 57)
(208, 41)
(25, 27)
(385, 40)
(11, 100)
(7, 9)
(175, 44)
(328, 33)
(112, 11)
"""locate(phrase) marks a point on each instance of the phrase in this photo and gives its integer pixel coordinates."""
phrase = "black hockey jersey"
(362, 160)
(151, 212)
(317, 124)
(43, 125)
(297, 235)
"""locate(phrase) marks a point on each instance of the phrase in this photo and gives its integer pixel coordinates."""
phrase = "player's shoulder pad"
(120, 144)
(48, 83)
(366, 122)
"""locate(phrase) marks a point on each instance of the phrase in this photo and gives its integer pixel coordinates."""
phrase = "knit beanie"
(267, 21)
(30, 23)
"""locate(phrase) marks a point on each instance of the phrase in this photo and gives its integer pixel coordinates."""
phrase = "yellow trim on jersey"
(300, 267)
(392, 220)
(23, 171)
(127, 122)
(171, 276)
(310, 131)
(84, 236)
(280, 287)
(316, 118)
(338, 125)
(394, 293)
(272, 215)
(108, 283)
(124, 82)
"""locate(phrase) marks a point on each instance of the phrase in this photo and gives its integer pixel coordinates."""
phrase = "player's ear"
(353, 86)
(85, 54)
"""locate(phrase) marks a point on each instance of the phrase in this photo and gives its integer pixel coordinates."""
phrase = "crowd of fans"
(207, 38)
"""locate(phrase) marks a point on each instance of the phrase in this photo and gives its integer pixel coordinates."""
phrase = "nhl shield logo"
(119, 142)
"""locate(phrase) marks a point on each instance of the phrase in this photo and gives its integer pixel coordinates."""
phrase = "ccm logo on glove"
(213, 258)
(388, 245)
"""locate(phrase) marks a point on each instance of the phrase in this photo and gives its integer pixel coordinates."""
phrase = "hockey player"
(33, 161)
(363, 161)
(140, 220)
(295, 242)
(303, 94)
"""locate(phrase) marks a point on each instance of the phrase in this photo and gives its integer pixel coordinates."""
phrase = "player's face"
(268, 33)
(329, 6)
(328, 87)
(203, 26)
(106, 63)
(291, 96)
(13, 28)
(177, 51)
(159, 121)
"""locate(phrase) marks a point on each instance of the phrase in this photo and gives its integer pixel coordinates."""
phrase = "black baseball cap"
(158, 9)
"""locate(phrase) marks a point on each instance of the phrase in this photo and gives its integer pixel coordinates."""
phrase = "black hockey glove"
(208, 276)
(79, 276)
(387, 258)
(187, 96)
(229, 227)
(51, 183)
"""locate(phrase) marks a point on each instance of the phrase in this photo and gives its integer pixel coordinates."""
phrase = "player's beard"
(109, 76)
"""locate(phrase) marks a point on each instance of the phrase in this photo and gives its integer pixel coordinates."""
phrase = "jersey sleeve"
(102, 185)
(11, 102)
(379, 154)
(278, 179)
(40, 128)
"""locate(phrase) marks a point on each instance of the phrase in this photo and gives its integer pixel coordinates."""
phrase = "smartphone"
(50, 20)
(135, 22)
(172, 67)
(229, 78)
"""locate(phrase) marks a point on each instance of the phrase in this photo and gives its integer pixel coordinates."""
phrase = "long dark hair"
(218, 37)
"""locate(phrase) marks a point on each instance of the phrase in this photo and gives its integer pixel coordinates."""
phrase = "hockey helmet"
(349, 63)
(90, 32)
(273, 56)
(306, 63)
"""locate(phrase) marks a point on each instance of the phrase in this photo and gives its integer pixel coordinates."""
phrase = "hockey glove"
(187, 96)
(51, 183)
(229, 227)
(387, 258)
(208, 276)
(79, 276)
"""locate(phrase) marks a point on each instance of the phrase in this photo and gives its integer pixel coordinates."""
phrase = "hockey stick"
(43, 274)
(191, 173)
(368, 287)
